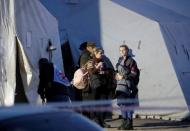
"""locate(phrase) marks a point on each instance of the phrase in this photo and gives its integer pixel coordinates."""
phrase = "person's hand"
(118, 76)
(99, 65)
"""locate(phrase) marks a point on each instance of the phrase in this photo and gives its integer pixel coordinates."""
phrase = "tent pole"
(50, 49)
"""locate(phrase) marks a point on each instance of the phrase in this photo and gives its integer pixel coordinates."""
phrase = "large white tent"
(25, 26)
(157, 33)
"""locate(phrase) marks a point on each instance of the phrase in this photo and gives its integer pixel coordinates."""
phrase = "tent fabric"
(33, 26)
(178, 46)
(163, 74)
(180, 7)
(69, 19)
(7, 53)
(153, 31)
(32, 17)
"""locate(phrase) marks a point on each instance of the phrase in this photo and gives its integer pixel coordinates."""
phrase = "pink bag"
(80, 79)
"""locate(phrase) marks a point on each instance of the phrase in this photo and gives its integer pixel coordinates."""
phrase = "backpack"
(129, 62)
(80, 80)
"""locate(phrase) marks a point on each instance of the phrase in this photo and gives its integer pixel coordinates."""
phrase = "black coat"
(47, 87)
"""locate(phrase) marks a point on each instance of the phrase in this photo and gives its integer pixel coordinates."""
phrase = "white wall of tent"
(32, 25)
(156, 31)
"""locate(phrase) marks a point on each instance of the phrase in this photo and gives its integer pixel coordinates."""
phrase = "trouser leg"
(127, 115)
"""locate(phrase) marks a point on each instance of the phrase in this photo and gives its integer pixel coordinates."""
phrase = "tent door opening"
(20, 96)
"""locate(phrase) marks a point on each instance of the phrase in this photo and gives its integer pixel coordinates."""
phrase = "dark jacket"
(129, 70)
(85, 56)
(99, 78)
(47, 88)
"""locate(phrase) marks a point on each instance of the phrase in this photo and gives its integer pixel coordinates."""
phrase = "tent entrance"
(69, 67)
(68, 62)
(20, 96)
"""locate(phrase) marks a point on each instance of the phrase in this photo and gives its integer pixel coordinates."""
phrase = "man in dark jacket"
(86, 54)
(127, 73)
(87, 50)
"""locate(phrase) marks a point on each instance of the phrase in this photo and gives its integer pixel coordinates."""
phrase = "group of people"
(98, 78)
(97, 81)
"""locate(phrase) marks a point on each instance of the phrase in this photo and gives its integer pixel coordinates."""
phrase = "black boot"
(124, 121)
(103, 124)
(130, 126)
(101, 116)
(127, 124)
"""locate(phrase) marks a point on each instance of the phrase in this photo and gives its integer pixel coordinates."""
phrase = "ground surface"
(152, 125)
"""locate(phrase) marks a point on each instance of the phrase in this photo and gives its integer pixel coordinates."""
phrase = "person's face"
(90, 49)
(99, 54)
(123, 51)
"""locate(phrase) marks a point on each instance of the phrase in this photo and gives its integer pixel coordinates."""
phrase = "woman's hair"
(89, 66)
(97, 50)
(42, 62)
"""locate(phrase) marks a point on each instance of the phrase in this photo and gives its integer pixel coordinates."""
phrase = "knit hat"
(83, 45)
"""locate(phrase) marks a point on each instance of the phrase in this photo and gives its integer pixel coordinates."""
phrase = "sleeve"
(118, 64)
(133, 70)
(77, 77)
(83, 60)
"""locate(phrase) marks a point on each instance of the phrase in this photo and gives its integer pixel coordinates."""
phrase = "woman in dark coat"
(99, 83)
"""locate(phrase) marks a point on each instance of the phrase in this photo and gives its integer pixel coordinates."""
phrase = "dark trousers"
(100, 94)
(87, 96)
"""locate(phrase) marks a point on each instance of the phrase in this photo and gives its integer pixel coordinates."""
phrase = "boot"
(124, 122)
(127, 124)
(103, 124)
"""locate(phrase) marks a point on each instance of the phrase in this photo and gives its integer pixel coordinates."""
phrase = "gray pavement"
(151, 125)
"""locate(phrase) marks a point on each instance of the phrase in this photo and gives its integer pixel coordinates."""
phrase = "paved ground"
(152, 125)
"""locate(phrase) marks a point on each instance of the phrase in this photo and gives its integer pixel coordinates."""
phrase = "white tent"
(157, 33)
(180, 7)
(32, 25)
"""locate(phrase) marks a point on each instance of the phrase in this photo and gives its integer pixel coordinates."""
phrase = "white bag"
(80, 79)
